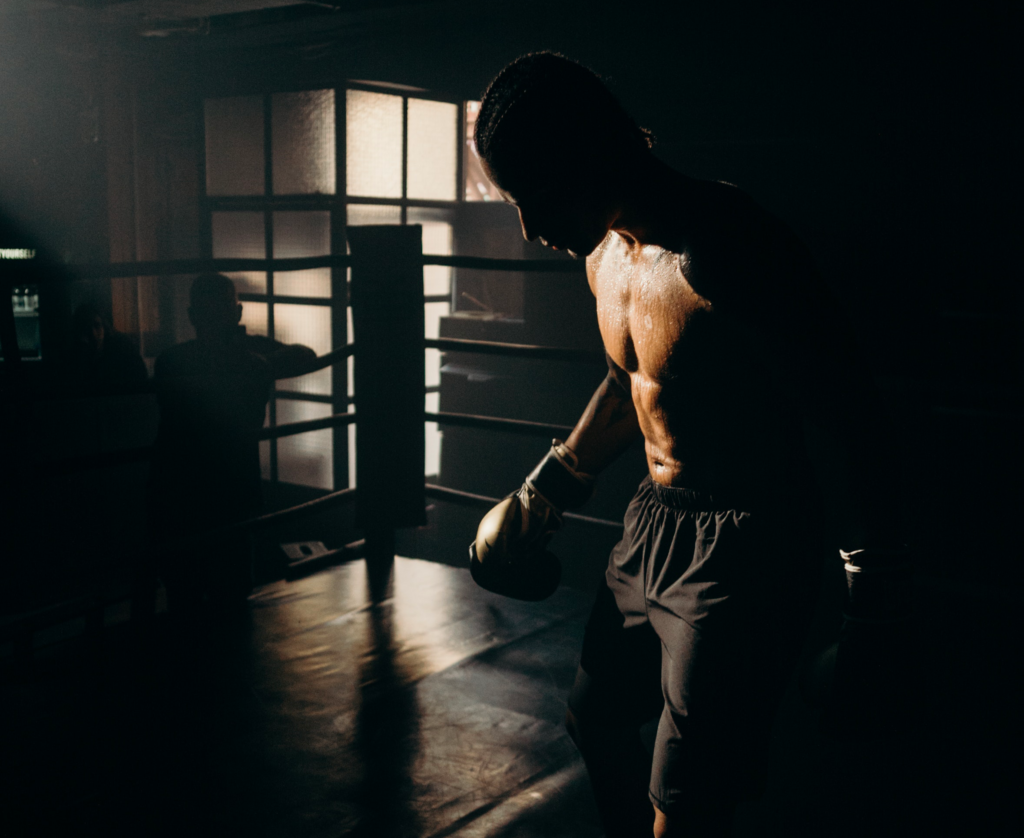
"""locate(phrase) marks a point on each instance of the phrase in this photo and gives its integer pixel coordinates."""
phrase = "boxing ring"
(387, 299)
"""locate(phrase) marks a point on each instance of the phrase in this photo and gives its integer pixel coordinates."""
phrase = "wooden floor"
(438, 712)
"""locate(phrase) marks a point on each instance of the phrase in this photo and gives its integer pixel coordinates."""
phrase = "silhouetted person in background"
(102, 360)
(205, 470)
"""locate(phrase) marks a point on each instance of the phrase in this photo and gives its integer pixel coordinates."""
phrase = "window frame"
(337, 206)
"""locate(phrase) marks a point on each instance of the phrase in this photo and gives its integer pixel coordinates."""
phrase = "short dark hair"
(548, 89)
(211, 288)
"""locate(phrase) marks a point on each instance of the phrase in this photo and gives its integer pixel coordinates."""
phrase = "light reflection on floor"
(437, 727)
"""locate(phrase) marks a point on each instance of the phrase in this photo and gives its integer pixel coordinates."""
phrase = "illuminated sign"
(17, 253)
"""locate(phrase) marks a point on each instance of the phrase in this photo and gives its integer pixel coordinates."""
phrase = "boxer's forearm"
(867, 472)
(873, 482)
(606, 428)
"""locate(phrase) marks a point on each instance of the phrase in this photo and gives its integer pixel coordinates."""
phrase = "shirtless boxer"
(721, 338)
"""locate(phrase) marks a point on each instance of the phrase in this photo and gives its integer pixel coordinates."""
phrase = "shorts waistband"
(679, 497)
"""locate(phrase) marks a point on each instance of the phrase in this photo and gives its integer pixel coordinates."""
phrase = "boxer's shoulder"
(720, 242)
(733, 251)
(721, 222)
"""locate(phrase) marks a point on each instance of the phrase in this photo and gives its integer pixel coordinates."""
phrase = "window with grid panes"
(285, 172)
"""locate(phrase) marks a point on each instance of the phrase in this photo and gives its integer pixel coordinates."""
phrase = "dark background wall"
(885, 135)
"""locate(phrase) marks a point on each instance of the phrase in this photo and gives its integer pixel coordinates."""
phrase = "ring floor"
(435, 709)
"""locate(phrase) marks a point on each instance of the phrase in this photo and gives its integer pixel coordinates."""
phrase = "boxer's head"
(557, 143)
(213, 308)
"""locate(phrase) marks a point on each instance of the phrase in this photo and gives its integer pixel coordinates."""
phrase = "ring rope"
(471, 499)
(516, 350)
(335, 420)
(126, 456)
(175, 267)
(516, 426)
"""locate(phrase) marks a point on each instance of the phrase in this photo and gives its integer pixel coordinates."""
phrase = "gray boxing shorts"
(702, 618)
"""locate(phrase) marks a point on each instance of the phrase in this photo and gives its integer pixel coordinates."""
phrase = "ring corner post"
(387, 320)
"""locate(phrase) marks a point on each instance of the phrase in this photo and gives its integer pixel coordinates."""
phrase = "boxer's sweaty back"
(712, 412)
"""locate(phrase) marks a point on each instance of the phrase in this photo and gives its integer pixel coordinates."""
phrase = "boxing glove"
(509, 555)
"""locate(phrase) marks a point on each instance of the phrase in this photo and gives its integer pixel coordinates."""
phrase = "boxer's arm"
(840, 398)
(858, 422)
(813, 344)
(608, 425)
(509, 555)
